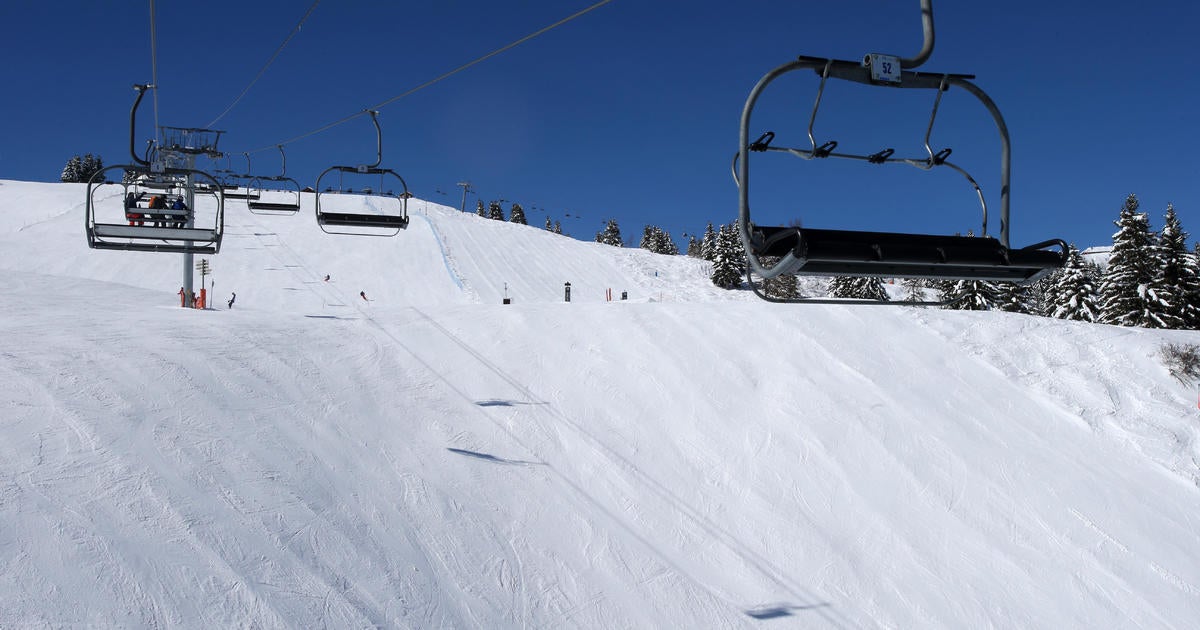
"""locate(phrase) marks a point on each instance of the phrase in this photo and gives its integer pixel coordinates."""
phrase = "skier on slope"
(231, 300)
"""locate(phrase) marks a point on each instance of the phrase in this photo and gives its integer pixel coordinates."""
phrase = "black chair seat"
(886, 254)
(362, 220)
(273, 207)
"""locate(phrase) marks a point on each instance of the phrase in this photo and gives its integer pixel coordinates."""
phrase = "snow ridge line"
(751, 557)
(453, 273)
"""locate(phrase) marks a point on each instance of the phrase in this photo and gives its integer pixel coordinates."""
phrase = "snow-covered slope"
(688, 458)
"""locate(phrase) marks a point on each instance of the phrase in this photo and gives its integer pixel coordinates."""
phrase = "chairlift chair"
(116, 218)
(238, 185)
(258, 206)
(364, 224)
(831, 252)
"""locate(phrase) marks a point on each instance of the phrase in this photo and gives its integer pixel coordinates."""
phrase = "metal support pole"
(190, 200)
(466, 186)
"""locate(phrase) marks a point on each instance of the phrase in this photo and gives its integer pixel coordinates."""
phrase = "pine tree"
(708, 244)
(784, 287)
(914, 289)
(1073, 293)
(969, 295)
(610, 235)
(649, 240)
(89, 166)
(729, 259)
(479, 209)
(1125, 290)
(666, 245)
(72, 172)
(549, 225)
(1178, 279)
(694, 249)
(517, 214)
(557, 227)
(838, 287)
(1045, 291)
(857, 287)
(495, 212)
(656, 240)
(1013, 298)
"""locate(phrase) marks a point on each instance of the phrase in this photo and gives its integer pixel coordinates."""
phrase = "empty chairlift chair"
(776, 250)
(385, 213)
(239, 186)
(279, 201)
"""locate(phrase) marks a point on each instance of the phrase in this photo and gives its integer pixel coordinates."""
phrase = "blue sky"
(631, 111)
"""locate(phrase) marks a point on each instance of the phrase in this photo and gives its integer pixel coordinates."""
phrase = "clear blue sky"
(632, 110)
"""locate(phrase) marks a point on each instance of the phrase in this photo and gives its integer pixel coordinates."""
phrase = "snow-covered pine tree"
(480, 210)
(871, 288)
(649, 241)
(658, 241)
(1045, 291)
(783, 287)
(557, 227)
(968, 295)
(857, 287)
(73, 170)
(549, 225)
(838, 286)
(90, 165)
(708, 243)
(1013, 298)
(1125, 290)
(1073, 293)
(517, 214)
(1178, 274)
(611, 234)
(495, 212)
(694, 250)
(729, 259)
(914, 289)
(664, 244)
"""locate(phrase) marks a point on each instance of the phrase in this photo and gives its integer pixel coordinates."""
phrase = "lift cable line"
(270, 61)
(447, 75)
(154, 63)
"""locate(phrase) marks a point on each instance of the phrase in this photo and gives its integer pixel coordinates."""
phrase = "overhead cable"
(154, 65)
(263, 70)
(433, 81)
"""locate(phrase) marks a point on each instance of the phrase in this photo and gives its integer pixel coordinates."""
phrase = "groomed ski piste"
(687, 458)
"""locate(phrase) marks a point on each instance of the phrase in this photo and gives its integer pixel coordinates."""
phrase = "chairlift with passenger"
(122, 210)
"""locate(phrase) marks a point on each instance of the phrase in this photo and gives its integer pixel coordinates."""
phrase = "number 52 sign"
(884, 68)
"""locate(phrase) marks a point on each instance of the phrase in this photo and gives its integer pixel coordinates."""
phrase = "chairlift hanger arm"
(378, 139)
(141, 90)
(927, 30)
